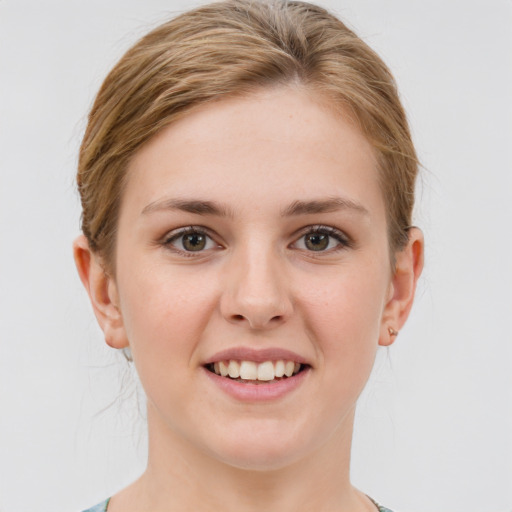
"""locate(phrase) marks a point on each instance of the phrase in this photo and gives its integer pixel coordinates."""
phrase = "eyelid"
(175, 234)
(185, 230)
(344, 240)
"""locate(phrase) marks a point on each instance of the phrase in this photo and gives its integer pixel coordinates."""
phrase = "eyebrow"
(191, 206)
(200, 207)
(332, 204)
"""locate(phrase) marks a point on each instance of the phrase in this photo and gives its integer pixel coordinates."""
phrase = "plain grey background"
(434, 426)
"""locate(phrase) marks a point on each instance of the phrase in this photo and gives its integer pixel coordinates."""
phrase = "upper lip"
(256, 355)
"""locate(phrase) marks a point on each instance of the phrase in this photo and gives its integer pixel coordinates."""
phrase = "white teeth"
(279, 369)
(223, 367)
(266, 371)
(234, 369)
(288, 368)
(249, 370)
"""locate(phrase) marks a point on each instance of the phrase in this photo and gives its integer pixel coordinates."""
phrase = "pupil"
(194, 242)
(317, 242)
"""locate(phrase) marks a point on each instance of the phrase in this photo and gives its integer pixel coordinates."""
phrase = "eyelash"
(344, 242)
(190, 230)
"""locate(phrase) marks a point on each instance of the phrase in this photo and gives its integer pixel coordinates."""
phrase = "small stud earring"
(392, 332)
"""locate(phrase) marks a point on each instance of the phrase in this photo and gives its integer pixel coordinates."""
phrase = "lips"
(256, 355)
(245, 370)
(256, 366)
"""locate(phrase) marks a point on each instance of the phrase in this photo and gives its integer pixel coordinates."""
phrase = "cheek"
(344, 317)
(164, 316)
(165, 312)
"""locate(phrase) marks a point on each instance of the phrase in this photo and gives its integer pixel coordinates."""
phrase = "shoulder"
(100, 507)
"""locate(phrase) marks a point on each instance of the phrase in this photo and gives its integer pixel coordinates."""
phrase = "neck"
(190, 479)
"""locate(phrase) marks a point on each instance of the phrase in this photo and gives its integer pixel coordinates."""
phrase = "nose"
(256, 292)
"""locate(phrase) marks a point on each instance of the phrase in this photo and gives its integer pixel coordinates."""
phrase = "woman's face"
(253, 231)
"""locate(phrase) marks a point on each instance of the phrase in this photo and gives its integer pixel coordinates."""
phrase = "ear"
(102, 291)
(408, 267)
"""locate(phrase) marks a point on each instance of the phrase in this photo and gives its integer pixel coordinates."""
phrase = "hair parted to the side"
(234, 47)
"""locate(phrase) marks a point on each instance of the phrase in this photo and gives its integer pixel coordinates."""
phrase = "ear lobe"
(408, 268)
(102, 291)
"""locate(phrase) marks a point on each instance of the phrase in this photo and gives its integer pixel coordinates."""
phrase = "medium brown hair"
(235, 47)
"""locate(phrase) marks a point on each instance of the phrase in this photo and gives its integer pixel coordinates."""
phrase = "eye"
(322, 239)
(189, 240)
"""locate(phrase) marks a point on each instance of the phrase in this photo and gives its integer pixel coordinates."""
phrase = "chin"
(260, 448)
(259, 460)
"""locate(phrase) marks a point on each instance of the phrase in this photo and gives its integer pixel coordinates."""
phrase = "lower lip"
(258, 392)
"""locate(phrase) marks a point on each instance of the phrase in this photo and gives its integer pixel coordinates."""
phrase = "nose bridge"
(256, 292)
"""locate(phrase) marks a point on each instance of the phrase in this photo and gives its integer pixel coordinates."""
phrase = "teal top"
(102, 507)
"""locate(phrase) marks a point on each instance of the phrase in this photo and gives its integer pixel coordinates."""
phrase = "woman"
(247, 182)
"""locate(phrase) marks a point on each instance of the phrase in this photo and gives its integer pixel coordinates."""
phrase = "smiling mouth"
(250, 372)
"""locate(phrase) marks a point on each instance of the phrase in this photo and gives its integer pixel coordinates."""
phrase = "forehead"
(270, 148)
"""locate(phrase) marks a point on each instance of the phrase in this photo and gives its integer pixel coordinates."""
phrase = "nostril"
(239, 318)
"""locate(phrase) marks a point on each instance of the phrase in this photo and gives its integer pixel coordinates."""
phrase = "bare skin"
(290, 255)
